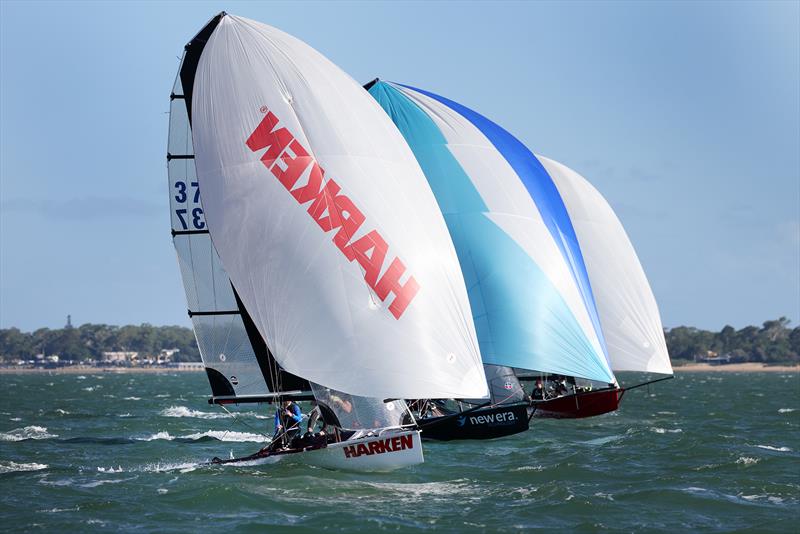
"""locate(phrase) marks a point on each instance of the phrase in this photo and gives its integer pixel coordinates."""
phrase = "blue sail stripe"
(521, 318)
(545, 195)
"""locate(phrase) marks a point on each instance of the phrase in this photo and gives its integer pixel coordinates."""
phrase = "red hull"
(586, 404)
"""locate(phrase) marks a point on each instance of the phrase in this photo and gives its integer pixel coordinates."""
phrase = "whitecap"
(530, 468)
(157, 435)
(128, 414)
(777, 449)
(228, 435)
(183, 411)
(132, 398)
(29, 432)
(12, 467)
(62, 412)
(90, 388)
(665, 413)
(746, 460)
(658, 430)
(15, 419)
(162, 491)
(80, 377)
(787, 410)
(110, 470)
(183, 467)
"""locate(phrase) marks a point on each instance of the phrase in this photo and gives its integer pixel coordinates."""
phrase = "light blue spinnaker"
(530, 295)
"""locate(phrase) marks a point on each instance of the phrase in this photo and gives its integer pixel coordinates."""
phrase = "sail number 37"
(186, 217)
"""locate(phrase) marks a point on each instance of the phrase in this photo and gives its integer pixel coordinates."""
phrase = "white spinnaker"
(221, 338)
(625, 303)
(313, 306)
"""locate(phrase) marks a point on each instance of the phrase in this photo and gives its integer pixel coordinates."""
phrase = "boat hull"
(385, 452)
(587, 404)
(485, 423)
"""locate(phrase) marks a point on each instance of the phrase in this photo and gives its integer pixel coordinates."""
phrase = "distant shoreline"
(749, 367)
(81, 370)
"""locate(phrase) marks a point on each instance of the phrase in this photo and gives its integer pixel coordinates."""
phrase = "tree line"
(89, 341)
(773, 342)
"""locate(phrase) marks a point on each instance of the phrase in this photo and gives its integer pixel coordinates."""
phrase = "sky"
(685, 116)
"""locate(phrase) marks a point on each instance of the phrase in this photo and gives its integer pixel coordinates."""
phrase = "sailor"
(538, 391)
(560, 387)
(287, 423)
(313, 417)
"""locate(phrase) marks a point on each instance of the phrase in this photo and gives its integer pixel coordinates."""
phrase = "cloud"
(85, 208)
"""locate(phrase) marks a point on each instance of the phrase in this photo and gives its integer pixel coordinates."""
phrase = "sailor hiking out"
(287, 423)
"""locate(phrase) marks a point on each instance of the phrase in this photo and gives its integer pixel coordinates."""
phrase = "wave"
(14, 467)
(224, 435)
(98, 440)
(29, 432)
(658, 430)
(109, 470)
(183, 411)
(777, 449)
(530, 468)
(183, 467)
(158, 435)
(15, 419)
(209, 435)
(108, 481)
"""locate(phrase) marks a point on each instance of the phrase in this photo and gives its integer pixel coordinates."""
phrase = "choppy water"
(121, 452)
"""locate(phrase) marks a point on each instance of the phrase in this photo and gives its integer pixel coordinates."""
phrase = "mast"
(238, 362)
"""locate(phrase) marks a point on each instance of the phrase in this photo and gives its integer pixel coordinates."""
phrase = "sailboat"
(317, 238)
(531, 285)
(626, 305)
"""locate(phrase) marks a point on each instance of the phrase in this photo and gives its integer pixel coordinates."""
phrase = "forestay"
(531, 299)
(325, 222)
(628, 310)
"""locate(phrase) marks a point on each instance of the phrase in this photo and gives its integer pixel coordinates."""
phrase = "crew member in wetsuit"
(538, 391)
(287, 423)
(313, 417)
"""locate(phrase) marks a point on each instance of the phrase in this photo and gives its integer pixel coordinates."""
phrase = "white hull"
(389, 451)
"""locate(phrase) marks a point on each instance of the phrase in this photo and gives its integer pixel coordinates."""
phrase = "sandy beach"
(749, 367)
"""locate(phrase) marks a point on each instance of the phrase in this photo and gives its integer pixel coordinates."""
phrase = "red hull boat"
(578, 405)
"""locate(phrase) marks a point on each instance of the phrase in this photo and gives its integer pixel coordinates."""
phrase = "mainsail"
(531, 298)
(628, 310)
(325, 223)
(237, 361)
